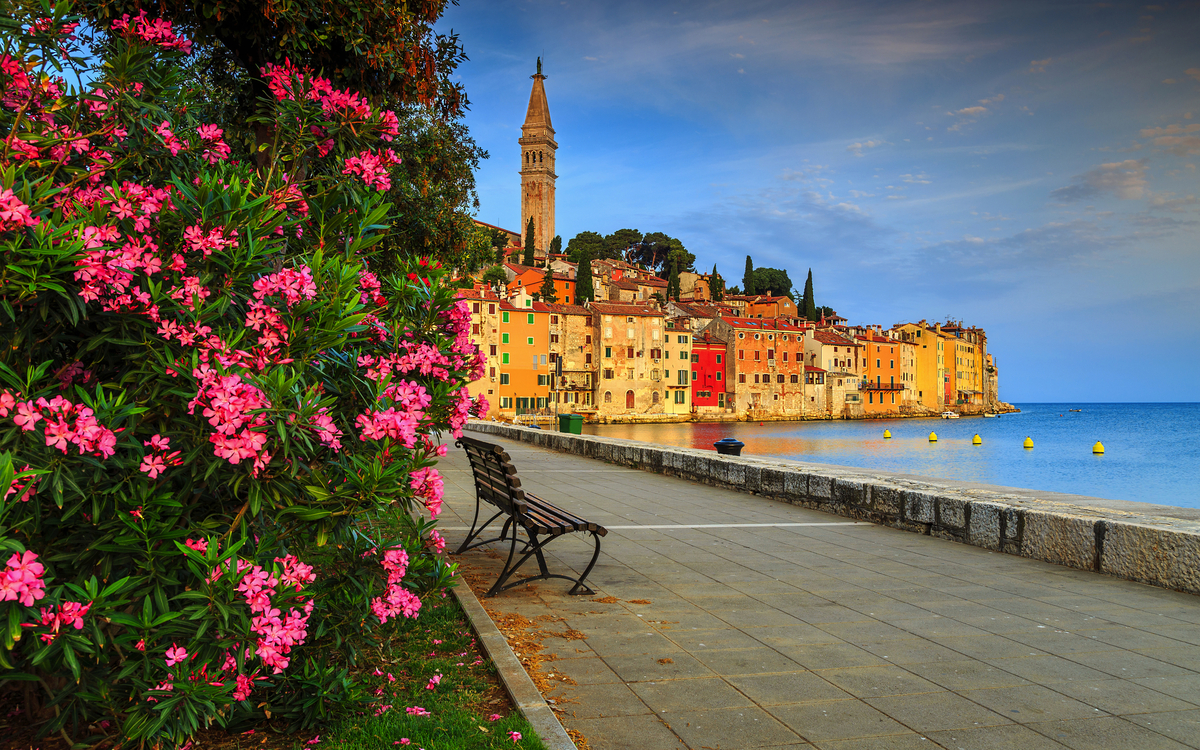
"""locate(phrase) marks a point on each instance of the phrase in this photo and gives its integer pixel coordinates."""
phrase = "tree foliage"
(547, 291)
(529, 258)
(808, 307)
(748, 278)
(773, 280)
(494, 276)
(716, 285)
(584, 290)
(556, 244)
(592, 242)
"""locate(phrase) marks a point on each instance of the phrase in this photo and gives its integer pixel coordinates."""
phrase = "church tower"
(537, 167)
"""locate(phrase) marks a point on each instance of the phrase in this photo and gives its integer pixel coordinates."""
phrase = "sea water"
(1152, 451)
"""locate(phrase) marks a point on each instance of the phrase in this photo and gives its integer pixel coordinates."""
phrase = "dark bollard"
(729, 447)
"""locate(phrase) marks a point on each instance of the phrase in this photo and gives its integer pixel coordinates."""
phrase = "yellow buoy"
(933, 437)
(1098, 448)
(976, 440)
(1028, 442)
(887, 434)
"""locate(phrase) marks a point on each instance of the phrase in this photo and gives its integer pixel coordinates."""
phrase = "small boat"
(949, 415)
(991, 415)
(1074, 409)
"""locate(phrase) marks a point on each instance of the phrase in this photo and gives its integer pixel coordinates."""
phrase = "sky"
(1029, 168)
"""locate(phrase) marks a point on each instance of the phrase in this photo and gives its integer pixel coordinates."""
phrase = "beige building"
(571, 341)
(629, 357)
(843, 366)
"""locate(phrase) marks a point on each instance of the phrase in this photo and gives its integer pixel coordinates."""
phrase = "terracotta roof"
(811, 368)
(520, 269)
(761, 324)
(619, 309)
(652, 281)
(628, 286)
(698, 338)
(829, 337)
(564, 309)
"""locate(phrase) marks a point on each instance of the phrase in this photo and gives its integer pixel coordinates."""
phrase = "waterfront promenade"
(727, 620)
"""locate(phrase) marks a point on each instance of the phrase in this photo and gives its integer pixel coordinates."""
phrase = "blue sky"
(1026, 167)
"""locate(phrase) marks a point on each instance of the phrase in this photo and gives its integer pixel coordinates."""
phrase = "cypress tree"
(748, 278)
(673, 280)
(716, 285)
(548, 292)
(583, 278)
(528, 260)
(556, 244)
(810, 306)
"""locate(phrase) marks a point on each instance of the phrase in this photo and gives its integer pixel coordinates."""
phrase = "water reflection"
(1153, 452)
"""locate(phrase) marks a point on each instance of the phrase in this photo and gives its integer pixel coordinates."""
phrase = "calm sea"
(1152, 451)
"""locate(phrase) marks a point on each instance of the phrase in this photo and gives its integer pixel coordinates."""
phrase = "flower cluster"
(14, 214)
(428, 485)
(397, 600)
(234, 408)
(21, 580)
(158, 460)
(65, 424)
(67, 613)
(155, 31)
(373, 168)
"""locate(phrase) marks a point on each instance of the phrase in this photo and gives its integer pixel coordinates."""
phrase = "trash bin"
(729, 447)
(570, 423)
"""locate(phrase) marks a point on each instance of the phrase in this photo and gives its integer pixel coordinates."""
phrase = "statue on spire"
(539, 67)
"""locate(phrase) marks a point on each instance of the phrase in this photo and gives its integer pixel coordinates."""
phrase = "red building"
(709, 372)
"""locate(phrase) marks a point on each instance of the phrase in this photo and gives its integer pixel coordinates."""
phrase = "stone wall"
(1128, 542)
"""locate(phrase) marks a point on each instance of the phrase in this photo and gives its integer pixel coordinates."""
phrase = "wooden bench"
(496, 484)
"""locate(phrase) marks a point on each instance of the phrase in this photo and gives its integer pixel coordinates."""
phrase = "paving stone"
(1183, 726)
(1029, 703)
(930, 712)
(868, 682)
(966, 675)
(1186, 687)
(627, 732)
(837, 720)
(605, 699)
(793, 687)
(621, 644)
(911, 741)
(741, 661)
(816, 656)
(586, 671)
(1008, 737)
(672, 696)
(1105, 733)
(648, 667)
(730, 728)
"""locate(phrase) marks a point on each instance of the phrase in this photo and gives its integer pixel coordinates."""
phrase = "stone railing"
(1127, 540)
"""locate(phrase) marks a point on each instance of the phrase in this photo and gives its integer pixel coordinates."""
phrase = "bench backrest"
(496, 479)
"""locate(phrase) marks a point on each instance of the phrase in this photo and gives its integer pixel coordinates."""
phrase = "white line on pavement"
(704, 525)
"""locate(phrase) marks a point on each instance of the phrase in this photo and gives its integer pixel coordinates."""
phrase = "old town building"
(765, 364)
(538, 149)
(709, 374)
(841, 360)
(629, 337)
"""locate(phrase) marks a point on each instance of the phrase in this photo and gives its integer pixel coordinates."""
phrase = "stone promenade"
(742, 622)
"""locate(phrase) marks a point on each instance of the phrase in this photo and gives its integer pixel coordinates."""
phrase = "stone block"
(952, 513)
(728, 472)
(1163, 557)
(919, 507)
(984, 526)
(820, 488)
(886, 499)
(1060, 538)
(795, 486)
(751, 478)
(773, 481)
(849, 493)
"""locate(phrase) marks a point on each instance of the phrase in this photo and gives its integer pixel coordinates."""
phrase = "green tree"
(825, 312)
(748, 278)
(716, 285)
(547, 290)
(494, 275)
(734, 290)
(529, 259)
(583, 279)
(620, 241)
(773, 280)
(592, 242)
(556, 245)
(809, 307)
(673, 280)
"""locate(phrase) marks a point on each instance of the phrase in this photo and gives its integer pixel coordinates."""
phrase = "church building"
(537, 167)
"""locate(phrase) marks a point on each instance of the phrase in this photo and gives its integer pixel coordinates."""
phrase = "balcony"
(867, 385)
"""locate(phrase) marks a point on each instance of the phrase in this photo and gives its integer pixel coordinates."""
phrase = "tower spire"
(538, 148)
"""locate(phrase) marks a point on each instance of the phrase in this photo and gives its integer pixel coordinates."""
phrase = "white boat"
(949, 415)
(991, 415)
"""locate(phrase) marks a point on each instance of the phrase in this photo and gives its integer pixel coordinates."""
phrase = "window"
(553, 357)
(491, 309)
(654, 334)
(719, 374)
(741, 354)
(492, 350)
(608, 397)
(588, 339)
(475, 329)
(529, 340)
(608, 333)
(695, 376)
(654, 397)
(543, 359)
(503, 317)
(529, 318)
(681, 377)
(630, 333)
(718, 359)
(892, 363)
(757, 355)
(683, 355)
(785, 356)
(795, 378)
(506, 402)
(629, 352)
(695, 357)
(608, 352)
(654, 374)
(778, 378)
(504, 338)
(541, 403)
(543, 380)
(529, 303)
(770, 354)
(628, 404)
(608, 374)
(680, 396)
(682, 339)
(554, 338)
(742, 377)
(877, 363)
(656, 354)
(475, 307)
(629, 374)
(554, 319)
(756, 377)
(504, 378)
(756, 337)
(741, 335)
(629, 319)
(504, 358)
(491, 372)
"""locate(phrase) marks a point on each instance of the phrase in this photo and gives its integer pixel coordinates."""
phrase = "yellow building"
(485, 332)
(629, 356)
(931, 381)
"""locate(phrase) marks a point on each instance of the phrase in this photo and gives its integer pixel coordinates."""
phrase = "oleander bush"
(208, 402)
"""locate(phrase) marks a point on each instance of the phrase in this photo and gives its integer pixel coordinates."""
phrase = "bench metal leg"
(579, 584)
(533, 548)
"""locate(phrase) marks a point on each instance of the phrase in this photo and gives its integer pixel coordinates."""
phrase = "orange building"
(765, 364)
(529, 281)
(524, 363)
(883, 374)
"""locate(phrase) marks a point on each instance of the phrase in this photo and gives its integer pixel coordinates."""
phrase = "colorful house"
(709, 380)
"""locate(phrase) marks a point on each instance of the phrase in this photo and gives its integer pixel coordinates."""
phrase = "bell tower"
(537, 167)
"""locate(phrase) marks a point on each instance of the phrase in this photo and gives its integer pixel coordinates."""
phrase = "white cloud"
(858, 148)
(1039, 66)
(736, 55)
(861, 194)
(1193, 72)
(1176, 139)
(1123, 179)
(897, 197)
(920, 179)
(996, 98)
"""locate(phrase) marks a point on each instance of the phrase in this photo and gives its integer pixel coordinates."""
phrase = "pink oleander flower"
(152, 465)
(494, 717)
(515, 737)
(416, 711)
(433, 682)
(21, 581)
(175, 655)
(200, 545)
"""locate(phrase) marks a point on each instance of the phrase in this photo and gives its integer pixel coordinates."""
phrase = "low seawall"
(1151, 544)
